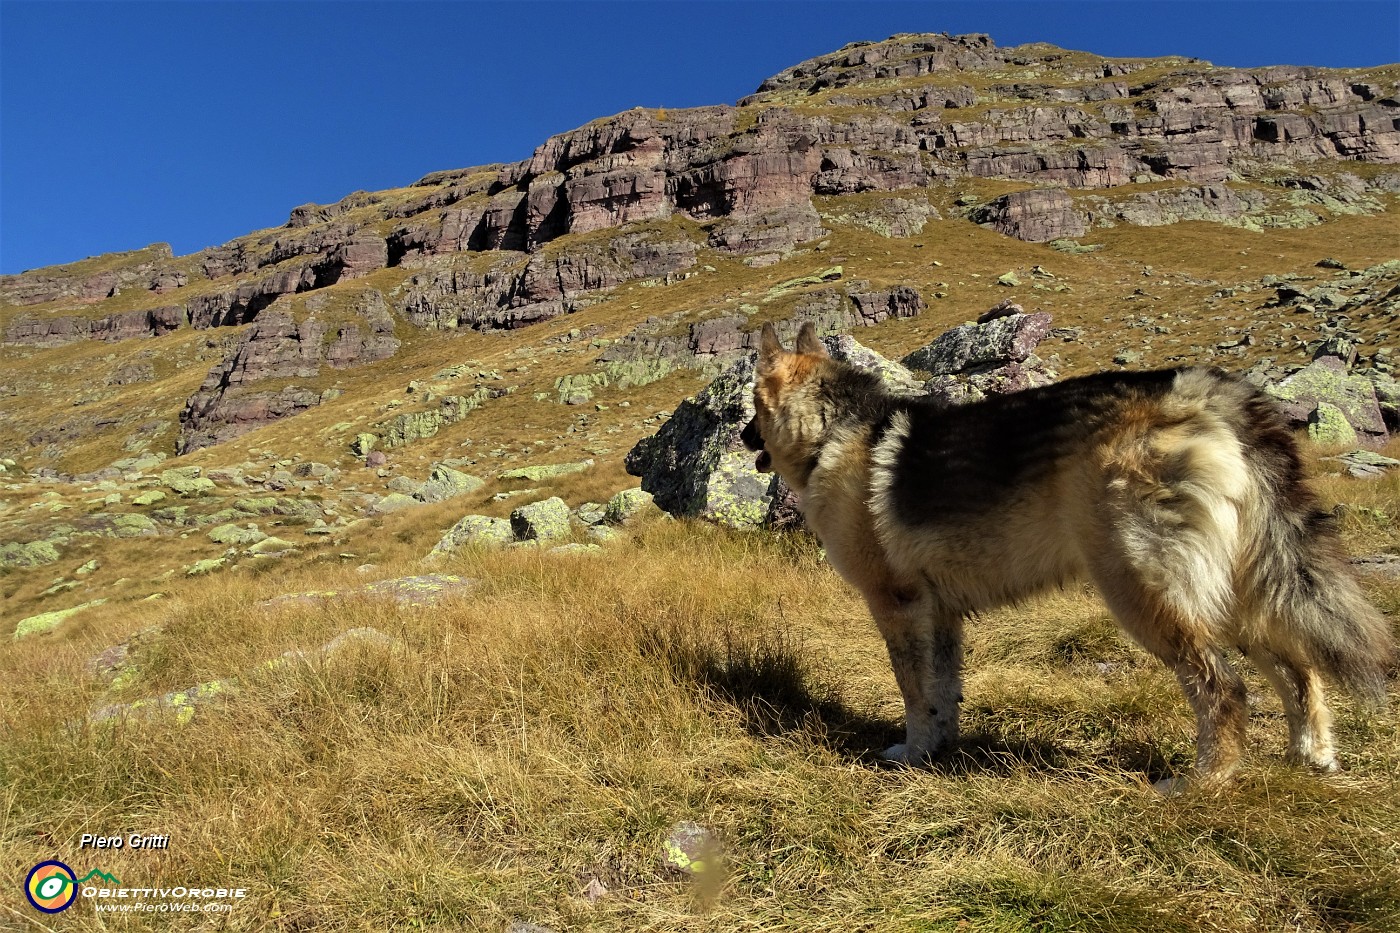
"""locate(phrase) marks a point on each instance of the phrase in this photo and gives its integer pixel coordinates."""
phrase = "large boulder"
(546, 520)
(1038, 215)
(696, 465)
(1323, 392)
(475, 531)
(446, 483)
(993, 357)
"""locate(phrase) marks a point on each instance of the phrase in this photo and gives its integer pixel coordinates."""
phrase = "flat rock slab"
(48, 622)
(1364, 464)
(1379, 565)
(406, 591)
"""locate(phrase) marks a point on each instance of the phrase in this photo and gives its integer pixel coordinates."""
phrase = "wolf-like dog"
(1180, 493)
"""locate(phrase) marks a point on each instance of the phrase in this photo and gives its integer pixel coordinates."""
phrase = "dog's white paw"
(901, 755)
(1171, 787)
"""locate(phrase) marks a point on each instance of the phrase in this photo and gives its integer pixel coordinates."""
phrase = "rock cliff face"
(1090, 141)
(280, 348)
(56, 331)
(886, 116)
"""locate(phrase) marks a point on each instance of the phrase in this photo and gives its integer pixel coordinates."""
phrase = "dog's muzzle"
(753, 440)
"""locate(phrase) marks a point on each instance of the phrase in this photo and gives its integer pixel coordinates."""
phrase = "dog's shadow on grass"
(777, 693)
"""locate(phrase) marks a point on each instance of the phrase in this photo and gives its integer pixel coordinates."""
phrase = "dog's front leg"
(925, 648)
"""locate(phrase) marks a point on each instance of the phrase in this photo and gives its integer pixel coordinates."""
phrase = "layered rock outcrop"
(886, 116)
(56, 331)
(280, 348)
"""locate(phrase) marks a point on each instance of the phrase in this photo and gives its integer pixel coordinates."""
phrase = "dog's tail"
(1310, 605)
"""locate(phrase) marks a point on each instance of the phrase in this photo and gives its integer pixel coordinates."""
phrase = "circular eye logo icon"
(51, 887)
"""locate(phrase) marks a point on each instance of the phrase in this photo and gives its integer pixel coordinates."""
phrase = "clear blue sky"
(126, 123)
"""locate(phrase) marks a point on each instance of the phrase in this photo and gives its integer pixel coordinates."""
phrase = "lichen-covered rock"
(896, 376)
(696, 465)
(179, 705)
(700, 441)
(421, 590)
(363, 443)
(1000, 341)
(206, 565)
(32, 554)
(47, 622)
(627, 504)
(236, 535)
(475, 531)
(546, 520)
(271, 547)
(535, 474)
(393, 502)
(591, 513)
(1328, 425)
(1326, 381)
(150, 497)
(186, 481)
(446, 483)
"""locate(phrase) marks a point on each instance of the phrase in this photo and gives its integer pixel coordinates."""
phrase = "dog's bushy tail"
(1312, 607)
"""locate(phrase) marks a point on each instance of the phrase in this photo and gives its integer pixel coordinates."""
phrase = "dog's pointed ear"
(768, 345)
(807, 340)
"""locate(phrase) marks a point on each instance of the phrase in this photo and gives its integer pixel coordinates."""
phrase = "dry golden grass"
(547, 727)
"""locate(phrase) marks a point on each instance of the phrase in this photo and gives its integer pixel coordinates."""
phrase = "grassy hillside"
(547, 727)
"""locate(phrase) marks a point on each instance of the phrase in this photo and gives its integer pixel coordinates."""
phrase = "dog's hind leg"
(1304, 706)
(1212, 686)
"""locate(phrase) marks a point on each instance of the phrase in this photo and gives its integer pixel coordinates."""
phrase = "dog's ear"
(768, 345)
(807, 340)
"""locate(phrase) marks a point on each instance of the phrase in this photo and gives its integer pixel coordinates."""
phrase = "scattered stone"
(628, 504)
(1381, 565)
(47, 622)
(207, 565)
(1365, 464)
(546, 520)
(475, 531)
(235, 535)
(536, 474)
(574, 547)
(149, 498)
(446, 483)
